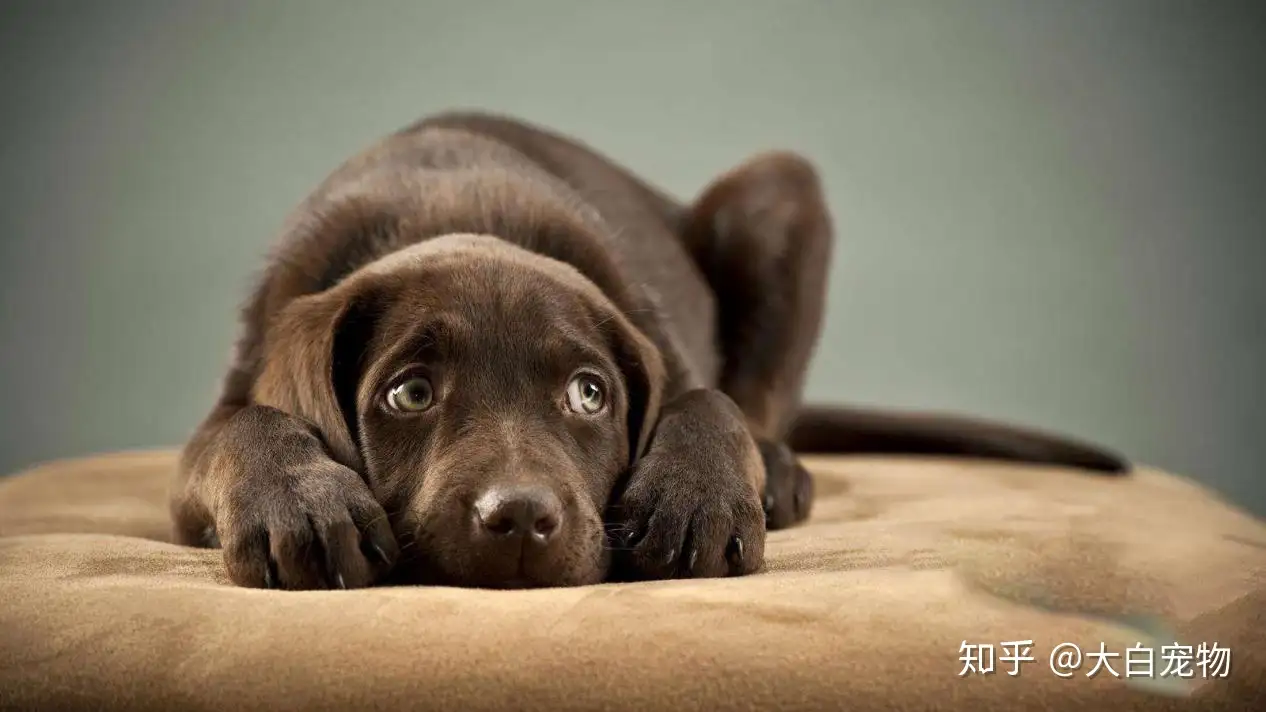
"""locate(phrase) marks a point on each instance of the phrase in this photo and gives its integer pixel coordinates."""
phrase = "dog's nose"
(528, 511)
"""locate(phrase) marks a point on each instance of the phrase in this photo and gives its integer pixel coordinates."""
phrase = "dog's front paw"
(788, 486)
(692, 507)
(309, 527)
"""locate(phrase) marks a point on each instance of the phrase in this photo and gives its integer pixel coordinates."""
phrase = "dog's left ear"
(312, 362)
(643, 368)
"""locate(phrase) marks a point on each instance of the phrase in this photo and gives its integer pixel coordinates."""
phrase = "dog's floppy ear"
(643, 368)
(312, 361)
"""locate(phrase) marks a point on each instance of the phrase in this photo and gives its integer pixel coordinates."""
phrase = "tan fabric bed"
(864, 608)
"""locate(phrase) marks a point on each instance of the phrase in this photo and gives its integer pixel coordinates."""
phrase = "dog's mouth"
(451, 559)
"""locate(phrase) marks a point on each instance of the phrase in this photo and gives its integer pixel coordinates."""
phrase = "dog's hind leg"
(762, 235)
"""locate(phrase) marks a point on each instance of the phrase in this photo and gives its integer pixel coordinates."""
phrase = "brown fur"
(499, 262)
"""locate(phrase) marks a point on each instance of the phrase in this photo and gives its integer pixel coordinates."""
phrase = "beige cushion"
(865, 607)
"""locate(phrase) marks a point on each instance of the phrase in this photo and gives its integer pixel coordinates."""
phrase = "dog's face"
(492, 397)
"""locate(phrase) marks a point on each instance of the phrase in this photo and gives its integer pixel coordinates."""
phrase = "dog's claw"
(690, 563)
(338, 580)
(672, 554)
(269, 580)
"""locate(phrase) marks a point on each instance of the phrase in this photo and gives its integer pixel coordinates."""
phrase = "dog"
(483, 354)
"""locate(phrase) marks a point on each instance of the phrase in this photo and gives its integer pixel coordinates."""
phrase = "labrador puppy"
(484, 355)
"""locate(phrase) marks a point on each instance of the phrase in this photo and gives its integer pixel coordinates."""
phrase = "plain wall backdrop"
(1047, 212)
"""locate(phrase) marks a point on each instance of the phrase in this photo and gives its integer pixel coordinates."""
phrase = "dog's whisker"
(625, 313)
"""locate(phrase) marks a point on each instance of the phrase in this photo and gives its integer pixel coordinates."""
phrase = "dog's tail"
(840, 430)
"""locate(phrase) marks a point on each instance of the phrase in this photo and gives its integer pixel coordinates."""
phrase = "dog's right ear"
(313, 358)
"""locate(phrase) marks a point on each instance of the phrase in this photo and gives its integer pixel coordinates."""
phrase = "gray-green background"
(1051, 212)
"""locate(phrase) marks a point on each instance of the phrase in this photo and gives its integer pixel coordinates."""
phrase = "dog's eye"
(584, 395)
(412, 396)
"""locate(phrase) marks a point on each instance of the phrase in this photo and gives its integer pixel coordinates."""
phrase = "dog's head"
(492, 397)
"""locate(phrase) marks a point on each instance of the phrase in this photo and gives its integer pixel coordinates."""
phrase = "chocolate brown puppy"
(482, 354)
